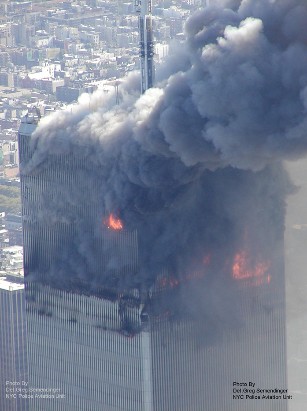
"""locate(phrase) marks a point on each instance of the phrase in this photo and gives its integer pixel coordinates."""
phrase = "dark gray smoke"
(194, 165)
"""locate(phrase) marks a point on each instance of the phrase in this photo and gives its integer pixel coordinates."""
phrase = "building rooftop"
(29, 122)
(9, 285)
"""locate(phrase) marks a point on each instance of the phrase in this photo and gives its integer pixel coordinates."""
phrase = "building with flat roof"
(13, 345)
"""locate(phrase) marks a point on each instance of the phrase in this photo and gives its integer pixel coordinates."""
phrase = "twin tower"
(96, 342)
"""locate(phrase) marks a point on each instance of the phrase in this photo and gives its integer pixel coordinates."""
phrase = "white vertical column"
(147, 370)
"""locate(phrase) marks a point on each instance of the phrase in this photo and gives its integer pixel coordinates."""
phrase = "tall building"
(4, 237)
(13, 345)
(99, 342)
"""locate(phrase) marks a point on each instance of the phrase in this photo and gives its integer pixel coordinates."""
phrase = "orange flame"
(243, 269)
(173, 282)
(113, 223)
(170, 282)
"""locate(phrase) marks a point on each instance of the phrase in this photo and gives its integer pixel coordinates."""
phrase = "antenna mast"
(143, 9)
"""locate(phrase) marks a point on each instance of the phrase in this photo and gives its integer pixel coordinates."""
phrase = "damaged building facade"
(104, 335)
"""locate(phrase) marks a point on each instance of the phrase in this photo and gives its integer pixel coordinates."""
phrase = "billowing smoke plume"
(194, 164)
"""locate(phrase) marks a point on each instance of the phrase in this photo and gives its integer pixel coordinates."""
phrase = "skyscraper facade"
(13, 345)
(97, 341)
